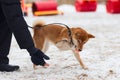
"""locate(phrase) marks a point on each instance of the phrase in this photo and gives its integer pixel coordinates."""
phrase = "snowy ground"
(101, 55)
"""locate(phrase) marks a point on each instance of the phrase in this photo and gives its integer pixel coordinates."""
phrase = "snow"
(101, 54)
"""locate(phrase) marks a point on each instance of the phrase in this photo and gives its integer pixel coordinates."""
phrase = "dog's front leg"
(77, 55)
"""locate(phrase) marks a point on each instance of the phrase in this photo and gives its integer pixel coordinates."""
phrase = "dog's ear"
(91, 36)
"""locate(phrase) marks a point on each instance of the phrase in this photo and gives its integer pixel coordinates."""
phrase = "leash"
(69, 31)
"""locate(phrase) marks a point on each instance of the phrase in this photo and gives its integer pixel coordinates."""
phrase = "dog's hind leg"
(77, 56)
(45, 45)
(41, 43)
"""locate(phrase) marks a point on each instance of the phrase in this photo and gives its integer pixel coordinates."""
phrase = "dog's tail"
(37, 25)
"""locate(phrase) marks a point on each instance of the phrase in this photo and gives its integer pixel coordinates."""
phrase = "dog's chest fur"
(63, 45)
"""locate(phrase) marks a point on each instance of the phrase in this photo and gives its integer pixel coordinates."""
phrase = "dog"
(64, 38)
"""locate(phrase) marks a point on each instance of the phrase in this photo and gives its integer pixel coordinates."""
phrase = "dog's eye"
(84, 41)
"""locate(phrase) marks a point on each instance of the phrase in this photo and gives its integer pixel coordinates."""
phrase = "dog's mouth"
(77, 49)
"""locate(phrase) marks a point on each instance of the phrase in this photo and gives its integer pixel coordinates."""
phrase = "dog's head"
(80, 37)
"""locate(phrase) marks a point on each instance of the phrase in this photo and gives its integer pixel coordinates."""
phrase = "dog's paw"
(85, 68)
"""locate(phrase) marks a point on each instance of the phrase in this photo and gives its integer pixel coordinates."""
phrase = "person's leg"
(19, 28)
(5, 41)
(17, 24)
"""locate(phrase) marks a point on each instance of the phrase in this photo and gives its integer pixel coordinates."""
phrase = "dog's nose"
(80, 49)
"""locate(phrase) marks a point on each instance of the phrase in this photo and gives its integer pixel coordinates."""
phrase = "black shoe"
(8, 68)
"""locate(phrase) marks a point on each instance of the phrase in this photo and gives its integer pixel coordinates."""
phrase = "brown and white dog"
(63, 38)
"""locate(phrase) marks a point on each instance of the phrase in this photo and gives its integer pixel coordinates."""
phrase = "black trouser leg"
(5, 39)
(19, 28)
(18, 25)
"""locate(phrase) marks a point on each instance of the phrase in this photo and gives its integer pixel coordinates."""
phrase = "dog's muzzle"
(77, 49)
